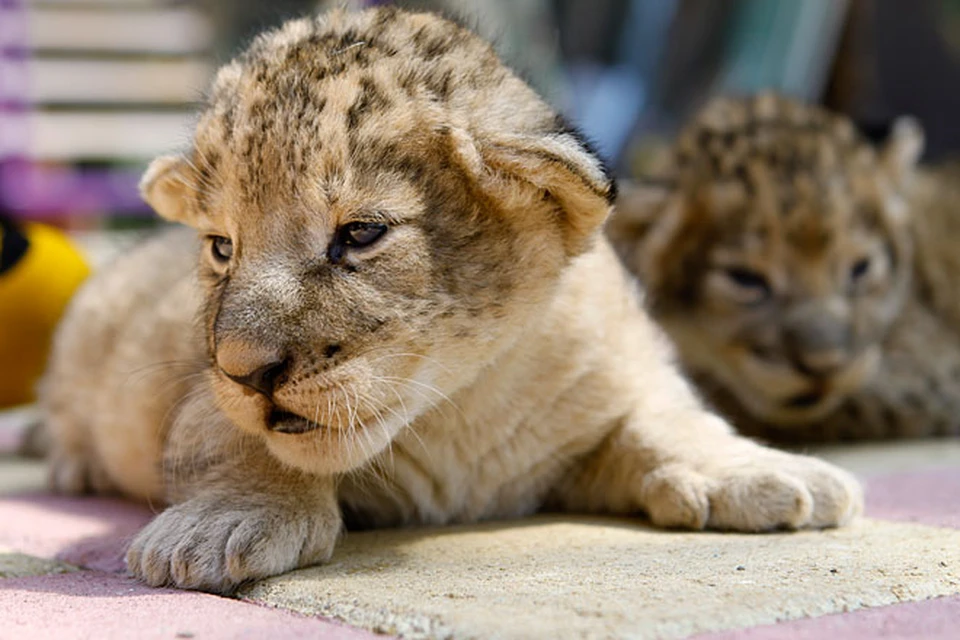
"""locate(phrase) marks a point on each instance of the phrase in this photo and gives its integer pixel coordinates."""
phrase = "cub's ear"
(560, 166)
(651, 219)
(164, 186)
(638, 206)
(903, 149)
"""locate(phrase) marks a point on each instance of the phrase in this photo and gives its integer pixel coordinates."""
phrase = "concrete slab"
(18, 475)
(553, 577)
(13, 422)
(20, 565)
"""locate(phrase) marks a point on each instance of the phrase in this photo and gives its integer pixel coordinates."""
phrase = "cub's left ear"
(903, 149)
(164, 186)
(561, 166)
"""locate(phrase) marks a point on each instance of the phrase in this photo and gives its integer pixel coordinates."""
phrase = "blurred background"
(90, 90)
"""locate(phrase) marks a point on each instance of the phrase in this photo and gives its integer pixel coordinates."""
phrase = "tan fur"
(485, 358)
(848, 335)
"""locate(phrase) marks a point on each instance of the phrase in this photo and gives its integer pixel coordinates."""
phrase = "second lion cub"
(400, 309)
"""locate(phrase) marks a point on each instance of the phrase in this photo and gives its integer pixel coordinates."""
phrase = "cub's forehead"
(769, 156)
(320, 105)
(347, 66)
(784, 138)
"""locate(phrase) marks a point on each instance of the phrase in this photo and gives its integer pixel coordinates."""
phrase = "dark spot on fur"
(370, 100)
(434, 45)
(386, 15)
(440, 84)
(332, 350)
(227, 120)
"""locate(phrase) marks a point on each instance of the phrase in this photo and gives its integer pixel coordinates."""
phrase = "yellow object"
(33, 295)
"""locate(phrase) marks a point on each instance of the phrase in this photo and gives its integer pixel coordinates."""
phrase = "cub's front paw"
(751, 488)
(215, 544)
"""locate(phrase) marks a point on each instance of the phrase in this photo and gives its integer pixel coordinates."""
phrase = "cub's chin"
(811, 400)
(319, 449)
(314, 442)
(794, 411)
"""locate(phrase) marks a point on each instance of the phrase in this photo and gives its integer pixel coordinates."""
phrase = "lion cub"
(807, 277)
(400, 310)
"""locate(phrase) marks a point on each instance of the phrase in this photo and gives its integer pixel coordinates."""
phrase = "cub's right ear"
(164, 186)
(636, 210)
(656, 230)
(903, 149)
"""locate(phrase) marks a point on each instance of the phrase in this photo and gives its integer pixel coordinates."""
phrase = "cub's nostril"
(262, 380)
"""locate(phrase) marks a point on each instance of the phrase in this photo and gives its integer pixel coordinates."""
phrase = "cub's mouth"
(280, 421)
(806, 400)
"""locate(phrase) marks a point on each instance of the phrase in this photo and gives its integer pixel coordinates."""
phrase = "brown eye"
(749, 279)
(221, 248)
(859, 269)
(361, 234)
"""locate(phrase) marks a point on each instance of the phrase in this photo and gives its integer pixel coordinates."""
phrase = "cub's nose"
(257, 367)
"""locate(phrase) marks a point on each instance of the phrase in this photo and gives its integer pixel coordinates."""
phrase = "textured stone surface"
(558, 578)
(19, 565)
(18, 475)
(546, 577)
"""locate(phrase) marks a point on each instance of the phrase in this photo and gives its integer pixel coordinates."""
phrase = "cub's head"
(385, 206)
(775, 250)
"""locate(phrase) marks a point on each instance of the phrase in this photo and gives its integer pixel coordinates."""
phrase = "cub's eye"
(221, 248)
(859, 269)
(361, 234)
(748, 279)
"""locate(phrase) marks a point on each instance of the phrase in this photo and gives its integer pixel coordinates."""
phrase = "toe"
(676, 497)
(837, 495)
(760, 501)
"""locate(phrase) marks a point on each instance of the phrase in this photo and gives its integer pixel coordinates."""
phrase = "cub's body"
(402, 310)
(807, 277)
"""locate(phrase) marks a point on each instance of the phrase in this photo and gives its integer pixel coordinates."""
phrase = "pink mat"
(93, 604)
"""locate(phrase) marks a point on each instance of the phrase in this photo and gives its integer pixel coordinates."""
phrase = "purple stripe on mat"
(937, 619)
(928, 497)
(98, 605)
(90, 532)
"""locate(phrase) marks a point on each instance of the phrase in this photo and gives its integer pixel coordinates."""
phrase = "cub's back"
(130, 327)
